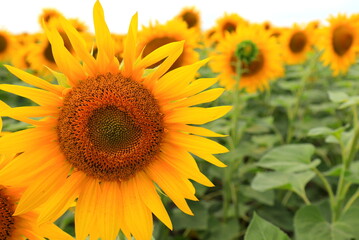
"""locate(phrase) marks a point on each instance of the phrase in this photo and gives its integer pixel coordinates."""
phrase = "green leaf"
(228, 230)
(199, 221)
(260, 229)
(289, 158)
(320, 131)
(337, 97)
(310, 224)
(292, 181)
(350, 102)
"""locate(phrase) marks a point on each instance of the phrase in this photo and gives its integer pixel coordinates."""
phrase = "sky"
(19, 16)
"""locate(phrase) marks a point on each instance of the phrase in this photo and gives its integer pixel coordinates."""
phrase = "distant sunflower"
(296, 43)
(48, 14)
(155, 36)
(340, 43)
(111, 134)
(40, 56)
(191, 16)
(20, 57)
(7, 45)
(228, 23)
(255, 75)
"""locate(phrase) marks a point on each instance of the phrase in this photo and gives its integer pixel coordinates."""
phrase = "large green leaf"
(310, 224)
(289, 158)
(260, 229)
(291, 181)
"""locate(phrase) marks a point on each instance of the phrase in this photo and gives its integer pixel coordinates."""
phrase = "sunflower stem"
(229, 189)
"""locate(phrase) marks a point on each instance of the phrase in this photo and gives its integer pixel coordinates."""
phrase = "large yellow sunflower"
(7, 45)
(155, 36)
(255, 75)
(111, 133)
(191, 16)
(339, 42)
(296, 42)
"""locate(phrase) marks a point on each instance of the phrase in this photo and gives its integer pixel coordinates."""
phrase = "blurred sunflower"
(7, 45)
(339, 42)
(265, 65)
(191, 16)
(40, 56)
(111, 133)
(296, 42)
(155, 36)
(20, 57)
(48, 14)
(228, 23)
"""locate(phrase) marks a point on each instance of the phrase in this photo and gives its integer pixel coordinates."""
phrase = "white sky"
(19, 16)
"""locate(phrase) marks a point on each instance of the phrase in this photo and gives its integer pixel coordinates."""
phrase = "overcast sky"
(19, 16)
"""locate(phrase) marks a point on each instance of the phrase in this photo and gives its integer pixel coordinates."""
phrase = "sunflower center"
(48, 53)
(251, 68)
(229, 27)
(159, 42)
(6, 219)
(190, 19)
(110, 127)
(297, 42)
(3, 43)
(342, 40)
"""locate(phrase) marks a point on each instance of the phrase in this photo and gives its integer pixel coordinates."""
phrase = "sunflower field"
(244, 131)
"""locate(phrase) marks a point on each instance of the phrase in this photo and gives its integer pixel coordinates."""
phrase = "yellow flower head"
(48, 14)
(191, 16)
(260, 62)
(296, 42)
(228, 24)
(339, 42)
(7, 45)
(155, 36)
(110, 133)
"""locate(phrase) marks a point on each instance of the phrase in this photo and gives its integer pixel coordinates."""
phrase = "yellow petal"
(86, 208)
(67, 63)
(195, 143)
(37, 193)
(194, 130)
(150, 197)
(39, 96)
(170, 183)
(79, 45)
(203, 97)
(138, 217)
(184, 163)
(53, 232)
(35, 81)
(105, 43)
(24, 140)
(28, 170)
(38, 111)
(63, 198)
(111, 215)
(196, 115)
(130, 47)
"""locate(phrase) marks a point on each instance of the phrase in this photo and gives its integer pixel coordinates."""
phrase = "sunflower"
(339, 42)
(255, 74)
(155, 36)
(296, 43)
(191, 16)
(7, 45)
(48, 14)
(40, 56)
(20, 57)
(228, 23)
(111, 134)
